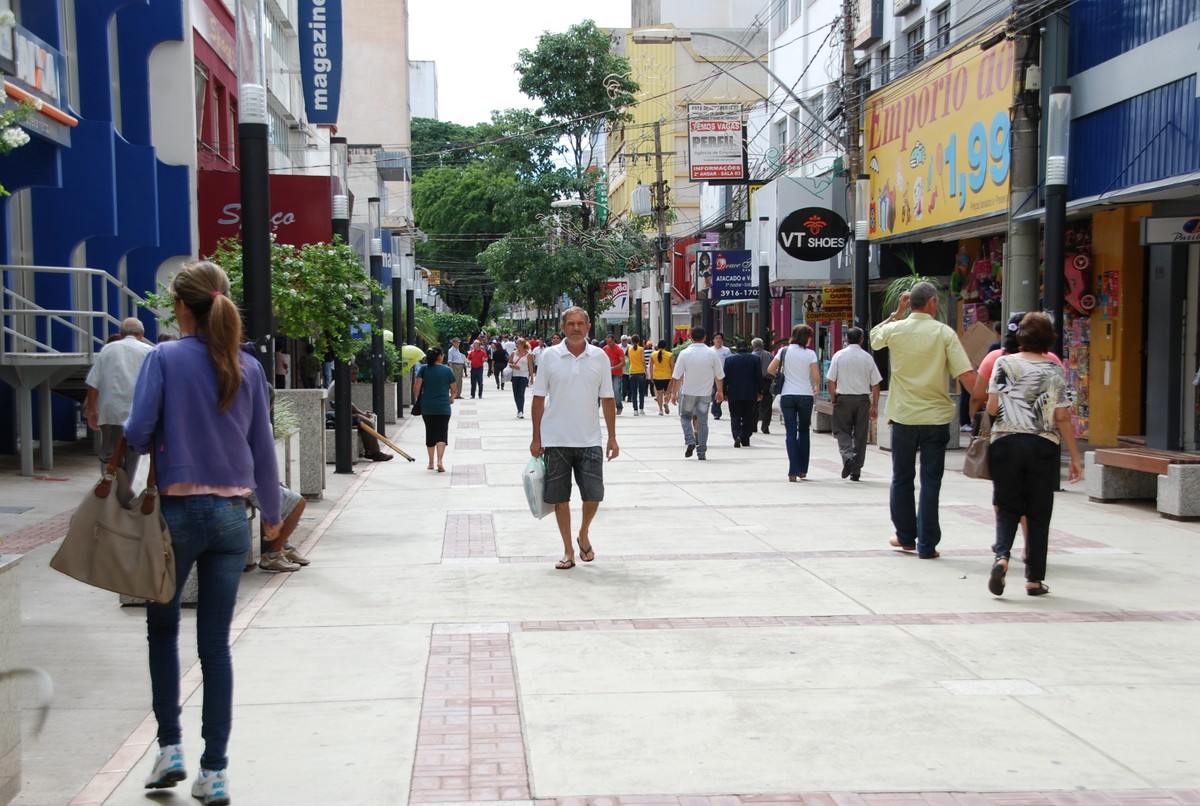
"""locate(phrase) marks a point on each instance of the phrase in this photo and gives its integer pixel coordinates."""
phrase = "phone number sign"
(939, 141)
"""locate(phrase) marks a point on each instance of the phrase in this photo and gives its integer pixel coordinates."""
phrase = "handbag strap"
(110, 472)
(985, 424)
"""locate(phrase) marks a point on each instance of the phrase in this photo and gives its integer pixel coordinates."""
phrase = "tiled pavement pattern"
(1147, 797)
(469, 535)
(469, 744)
(468, 444)
(467, 475)
(36, 535)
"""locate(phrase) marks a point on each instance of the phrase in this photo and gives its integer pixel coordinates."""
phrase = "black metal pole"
(764, 289)
(398, 340)
(378, 365)
(410, 303)
(256, 240)
(343, 450)
(1055, 250)
(862, 272)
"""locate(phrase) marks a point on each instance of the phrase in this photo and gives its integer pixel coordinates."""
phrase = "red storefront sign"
(301, 209)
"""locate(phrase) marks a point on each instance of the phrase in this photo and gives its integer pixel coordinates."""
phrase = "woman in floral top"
(1027, 397)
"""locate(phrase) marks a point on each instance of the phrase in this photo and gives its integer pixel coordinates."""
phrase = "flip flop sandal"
(1040, 590)
(588, 554)
(996, 580)
(564, 565)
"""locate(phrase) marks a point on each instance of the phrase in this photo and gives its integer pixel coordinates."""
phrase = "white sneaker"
(168, 768)
(211, 787)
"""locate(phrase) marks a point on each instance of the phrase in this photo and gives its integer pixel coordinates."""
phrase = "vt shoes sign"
(813, 233)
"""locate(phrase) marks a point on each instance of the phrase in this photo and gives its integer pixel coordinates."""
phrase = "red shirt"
(616, 357)
(477, 358)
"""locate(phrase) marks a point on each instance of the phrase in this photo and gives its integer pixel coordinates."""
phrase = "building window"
(796, 6)
(780, 17)
(915, 39)
(780, 135)
(884, 71)
(201, 98)
(941, 28)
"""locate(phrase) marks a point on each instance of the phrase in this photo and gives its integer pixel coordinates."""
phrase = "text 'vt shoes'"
(168, 768)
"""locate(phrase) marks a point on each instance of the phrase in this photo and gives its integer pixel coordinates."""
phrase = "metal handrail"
(23, 323)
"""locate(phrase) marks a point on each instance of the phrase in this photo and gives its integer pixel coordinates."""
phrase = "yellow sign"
(937, 140)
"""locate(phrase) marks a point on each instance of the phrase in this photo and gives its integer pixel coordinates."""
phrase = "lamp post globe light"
(862, 252)
(1058, 122)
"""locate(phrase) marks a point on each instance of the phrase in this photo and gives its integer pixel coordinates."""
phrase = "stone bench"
(331, 446)
(1170, 478)
(822, 416)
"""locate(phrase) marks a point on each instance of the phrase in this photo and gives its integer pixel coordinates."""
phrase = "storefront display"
(1077, 319)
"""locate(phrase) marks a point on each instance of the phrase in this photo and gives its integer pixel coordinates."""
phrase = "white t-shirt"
(699, 366)
(114, 375)
(854, 371)
(571, 385)
(797, 377)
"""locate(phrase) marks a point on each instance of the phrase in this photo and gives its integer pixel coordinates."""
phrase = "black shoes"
(737, 443)
(846, 463)
(690, 450)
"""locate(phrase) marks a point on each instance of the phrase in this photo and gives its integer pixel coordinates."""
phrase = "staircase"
(51, 349)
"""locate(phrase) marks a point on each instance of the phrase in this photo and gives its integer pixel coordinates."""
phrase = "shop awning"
(725, 303)
(1175, 187)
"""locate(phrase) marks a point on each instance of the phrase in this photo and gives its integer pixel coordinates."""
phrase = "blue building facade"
(97, 193)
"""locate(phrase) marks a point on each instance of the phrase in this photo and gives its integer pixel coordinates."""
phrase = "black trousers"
(741, 418)
(1025, 471)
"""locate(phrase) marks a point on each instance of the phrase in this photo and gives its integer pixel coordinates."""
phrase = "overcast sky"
(475, 45)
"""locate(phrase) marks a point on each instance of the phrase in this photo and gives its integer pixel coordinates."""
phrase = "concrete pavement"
(737, 637)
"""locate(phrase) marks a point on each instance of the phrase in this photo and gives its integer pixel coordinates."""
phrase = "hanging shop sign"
(835, 303)
(301, 208)
(716, 145)
(616, 294)
(1170, 230)
(870, 23)
(813, 233)
(319, 23)
(731, 274)
(938, 140)
(213, 31)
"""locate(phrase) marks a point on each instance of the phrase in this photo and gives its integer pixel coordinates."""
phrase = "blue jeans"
(212, 533)
(697, 405)
(618, 383)
(519, 384)
(918, 524)
(637, 391)
(797, 418)
(476, 381)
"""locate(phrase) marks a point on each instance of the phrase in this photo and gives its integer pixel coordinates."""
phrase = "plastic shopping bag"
(534, 481)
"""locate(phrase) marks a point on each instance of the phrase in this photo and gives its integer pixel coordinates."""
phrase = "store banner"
(616, 294)
(301, 209)
(835, 304)
(937, 140)
(731, 274)
(319, 23)
(716, 147)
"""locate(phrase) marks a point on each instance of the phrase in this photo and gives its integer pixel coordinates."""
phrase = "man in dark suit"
(743, 388)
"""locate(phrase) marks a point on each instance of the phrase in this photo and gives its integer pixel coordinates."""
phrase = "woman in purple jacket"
(201, 405)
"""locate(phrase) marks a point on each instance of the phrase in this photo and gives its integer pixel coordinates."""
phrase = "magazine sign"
(813, 233)
(732, 275)
(716, 145)
(319, 29)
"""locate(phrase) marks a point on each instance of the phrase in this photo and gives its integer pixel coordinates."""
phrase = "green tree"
(450, 325)
(438, 143)
(318, 291)
(582, 87)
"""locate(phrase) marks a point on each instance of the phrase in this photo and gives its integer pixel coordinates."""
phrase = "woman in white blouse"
(801, 379)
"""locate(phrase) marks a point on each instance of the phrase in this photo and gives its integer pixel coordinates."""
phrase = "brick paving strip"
(470, 745)
(26, 540)
(463, 475)
(1136, 797)
(468, 444)
(469, 535)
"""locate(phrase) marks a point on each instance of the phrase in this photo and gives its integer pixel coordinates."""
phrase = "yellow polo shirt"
(924, 354)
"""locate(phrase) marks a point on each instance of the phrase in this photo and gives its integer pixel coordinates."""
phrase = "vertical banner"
(319, 25)
(716, 151)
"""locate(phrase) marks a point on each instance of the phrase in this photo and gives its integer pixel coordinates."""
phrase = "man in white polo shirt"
(571, 377)
(697, 370)
(853, 381)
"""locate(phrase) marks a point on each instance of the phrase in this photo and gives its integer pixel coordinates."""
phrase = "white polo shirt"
(700, 366)
(854, 371)
(571, 384)
(114, 375)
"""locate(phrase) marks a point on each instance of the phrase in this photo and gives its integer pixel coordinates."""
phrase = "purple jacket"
(175, 410)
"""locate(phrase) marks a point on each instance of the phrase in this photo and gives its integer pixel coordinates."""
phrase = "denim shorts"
(588, 466)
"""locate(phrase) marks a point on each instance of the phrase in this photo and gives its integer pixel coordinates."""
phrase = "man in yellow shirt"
(923, 354)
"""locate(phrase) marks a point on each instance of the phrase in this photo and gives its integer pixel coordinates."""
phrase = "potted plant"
(902, 285)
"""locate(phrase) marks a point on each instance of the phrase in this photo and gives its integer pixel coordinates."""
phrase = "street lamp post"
(862, 252)
(255, 184)
(376, 264)
(343, 438)
(764, 281)
(1058, 122)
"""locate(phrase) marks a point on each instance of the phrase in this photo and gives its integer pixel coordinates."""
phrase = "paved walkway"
(737, 639)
